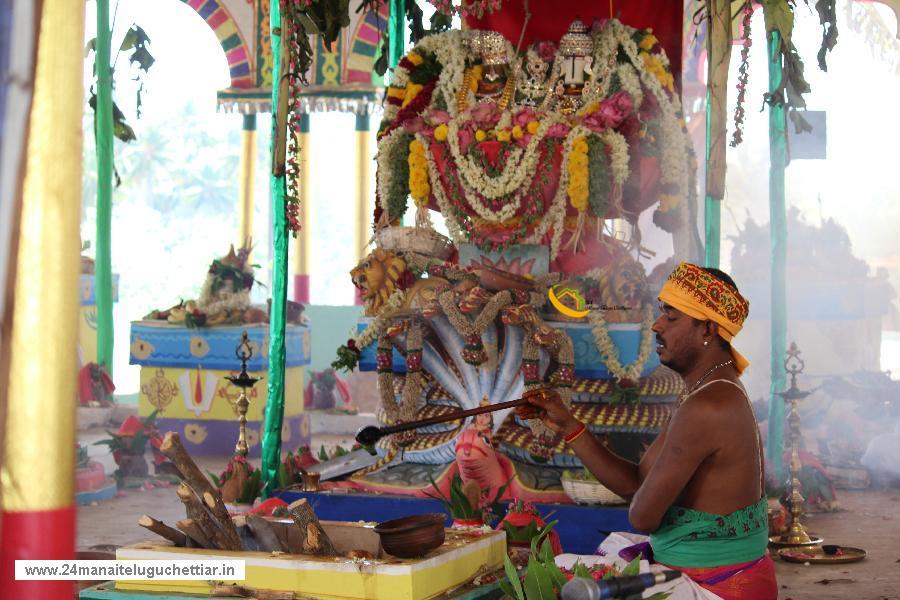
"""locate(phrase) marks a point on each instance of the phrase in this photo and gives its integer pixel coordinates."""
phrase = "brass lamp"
(796, 534)
(244, 382)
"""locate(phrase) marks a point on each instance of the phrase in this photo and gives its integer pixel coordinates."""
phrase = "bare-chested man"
(698, 489)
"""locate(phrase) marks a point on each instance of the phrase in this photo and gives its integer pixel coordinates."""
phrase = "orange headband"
(705, 297)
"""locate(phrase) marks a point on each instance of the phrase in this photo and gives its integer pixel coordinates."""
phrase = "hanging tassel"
(576, 236)
(423, 216)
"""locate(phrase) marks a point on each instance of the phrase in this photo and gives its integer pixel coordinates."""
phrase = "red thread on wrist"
(575, 434)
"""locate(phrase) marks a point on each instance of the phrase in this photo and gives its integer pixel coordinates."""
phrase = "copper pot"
(412, 537)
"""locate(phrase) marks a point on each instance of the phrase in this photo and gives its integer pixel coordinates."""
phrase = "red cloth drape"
(551, 18)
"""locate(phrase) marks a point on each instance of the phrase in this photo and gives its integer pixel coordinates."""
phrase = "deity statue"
(491, 76)
(576, 58)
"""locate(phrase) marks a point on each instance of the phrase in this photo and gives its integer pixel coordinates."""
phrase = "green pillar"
(778, 224)
(104, 139)
(271, 439)
(712, 207)
(396, 32)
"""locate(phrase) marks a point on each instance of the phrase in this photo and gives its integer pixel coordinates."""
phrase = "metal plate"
(816, 555)
(356, 460)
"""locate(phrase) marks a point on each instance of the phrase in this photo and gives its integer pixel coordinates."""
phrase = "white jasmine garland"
(446, 209)
(371, 333)
(447, 48)
(618, 155)
(556, 215)
(607, 348)
(631, 83)
(673, 160)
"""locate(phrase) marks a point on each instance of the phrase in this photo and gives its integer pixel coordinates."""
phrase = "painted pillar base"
(301, 289)
(36, 535)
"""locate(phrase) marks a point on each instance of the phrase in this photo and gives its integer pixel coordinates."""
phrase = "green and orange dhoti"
(725, 554)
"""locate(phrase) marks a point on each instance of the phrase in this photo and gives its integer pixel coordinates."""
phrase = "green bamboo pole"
(271, 439)
(712, 207)
(396, 32)
(104, 140)
(778, 233)
(718, 51)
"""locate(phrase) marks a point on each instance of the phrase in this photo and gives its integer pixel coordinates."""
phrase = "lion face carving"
(377, 276)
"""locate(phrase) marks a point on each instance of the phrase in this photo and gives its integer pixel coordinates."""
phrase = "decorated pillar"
(303, 242)
(39, 370)
(778, 233)
(364, 206)
(104, 139)
(247, 169)
(271, 438)
(718, 58)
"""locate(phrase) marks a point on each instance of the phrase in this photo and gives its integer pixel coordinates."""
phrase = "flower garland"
(578, 175)
(651, 71)
(519, 168)
(348, 354)
(447, 48)
(392, 183)
(607, 348)
(418, 174)
(472, 330)
(743, 76)
(413, 384)
(467, 8)
(674, 176)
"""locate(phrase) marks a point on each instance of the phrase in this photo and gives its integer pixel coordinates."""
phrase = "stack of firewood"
(208, 524)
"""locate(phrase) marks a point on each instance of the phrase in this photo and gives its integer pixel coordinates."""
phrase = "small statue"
(493, 81)
(576, 53)
(576, 48)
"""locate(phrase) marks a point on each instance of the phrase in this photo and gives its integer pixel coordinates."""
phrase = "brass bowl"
(412, 537)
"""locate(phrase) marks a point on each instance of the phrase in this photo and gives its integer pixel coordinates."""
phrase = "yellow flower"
(517, 132)
(578, 175)
(418, 172)
(503, 135)
(412, 90)
(396, 92)
(480, 135)
(589, 108)
(440, 132)
(415, 58)
(648, 42)
(655, 66)
(532, 127)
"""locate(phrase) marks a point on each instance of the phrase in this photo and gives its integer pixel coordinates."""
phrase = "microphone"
(582, 588)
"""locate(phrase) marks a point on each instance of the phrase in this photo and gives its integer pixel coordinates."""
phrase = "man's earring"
(706, 343)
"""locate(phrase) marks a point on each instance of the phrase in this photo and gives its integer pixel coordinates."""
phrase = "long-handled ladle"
(368, 435)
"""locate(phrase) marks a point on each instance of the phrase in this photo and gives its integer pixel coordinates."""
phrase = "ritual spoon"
(367, 436)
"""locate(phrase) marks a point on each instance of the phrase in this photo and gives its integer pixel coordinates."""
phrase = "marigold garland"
(418, 173)
(578, 175)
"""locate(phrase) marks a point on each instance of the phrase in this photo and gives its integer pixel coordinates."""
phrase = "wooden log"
(193, 531)
(163, 530)
(198, 513)
(315, 540)
(264, 534)
(172, 449)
